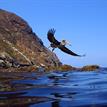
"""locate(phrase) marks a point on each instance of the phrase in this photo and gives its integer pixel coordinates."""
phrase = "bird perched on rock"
(61, 45)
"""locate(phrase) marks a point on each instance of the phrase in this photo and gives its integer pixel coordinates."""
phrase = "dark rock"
(64, 67)
(90, 68)
(19, 45)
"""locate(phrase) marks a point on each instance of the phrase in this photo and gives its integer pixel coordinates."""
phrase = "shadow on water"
(54, 89)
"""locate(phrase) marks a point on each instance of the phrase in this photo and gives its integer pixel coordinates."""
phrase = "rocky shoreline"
(10, 65)
(13, 66)
(70, 68)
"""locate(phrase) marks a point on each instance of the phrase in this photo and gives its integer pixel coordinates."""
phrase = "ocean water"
(54, 89)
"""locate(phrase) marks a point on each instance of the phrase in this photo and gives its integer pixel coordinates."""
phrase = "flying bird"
(61, 45)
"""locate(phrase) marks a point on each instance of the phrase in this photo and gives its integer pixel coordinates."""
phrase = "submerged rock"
(19, 45)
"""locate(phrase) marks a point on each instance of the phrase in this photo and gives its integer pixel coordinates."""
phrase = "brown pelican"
(61, 45)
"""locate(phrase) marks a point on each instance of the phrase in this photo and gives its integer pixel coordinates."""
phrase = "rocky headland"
(22, 50)
(20, 46)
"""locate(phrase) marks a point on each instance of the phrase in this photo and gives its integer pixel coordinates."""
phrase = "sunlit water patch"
(54, 89)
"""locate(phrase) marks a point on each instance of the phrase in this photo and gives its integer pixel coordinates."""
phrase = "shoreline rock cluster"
(71, 68)
(9, 67)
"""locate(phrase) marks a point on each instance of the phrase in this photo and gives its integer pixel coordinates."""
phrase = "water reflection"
(55, 89)
(55, 103)
(22, 101)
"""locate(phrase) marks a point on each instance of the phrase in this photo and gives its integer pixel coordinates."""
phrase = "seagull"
(61, 45)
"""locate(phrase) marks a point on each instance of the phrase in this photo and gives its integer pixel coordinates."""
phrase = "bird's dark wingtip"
(52, 30)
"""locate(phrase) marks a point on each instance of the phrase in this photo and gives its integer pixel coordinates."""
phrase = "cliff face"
(19, 43)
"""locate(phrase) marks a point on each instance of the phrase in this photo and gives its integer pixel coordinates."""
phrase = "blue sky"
(81, 22)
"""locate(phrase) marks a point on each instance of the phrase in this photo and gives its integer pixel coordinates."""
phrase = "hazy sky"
(81, 22)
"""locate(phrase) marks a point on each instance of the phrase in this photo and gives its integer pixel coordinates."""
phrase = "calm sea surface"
(54, 89)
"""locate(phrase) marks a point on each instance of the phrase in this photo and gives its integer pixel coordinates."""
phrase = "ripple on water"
(54, 89)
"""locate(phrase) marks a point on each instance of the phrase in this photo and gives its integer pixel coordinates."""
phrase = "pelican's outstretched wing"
(51, 38)
(66, 50)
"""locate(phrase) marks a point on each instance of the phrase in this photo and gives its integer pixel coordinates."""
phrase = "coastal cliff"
(19, 45)
(22, 50)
